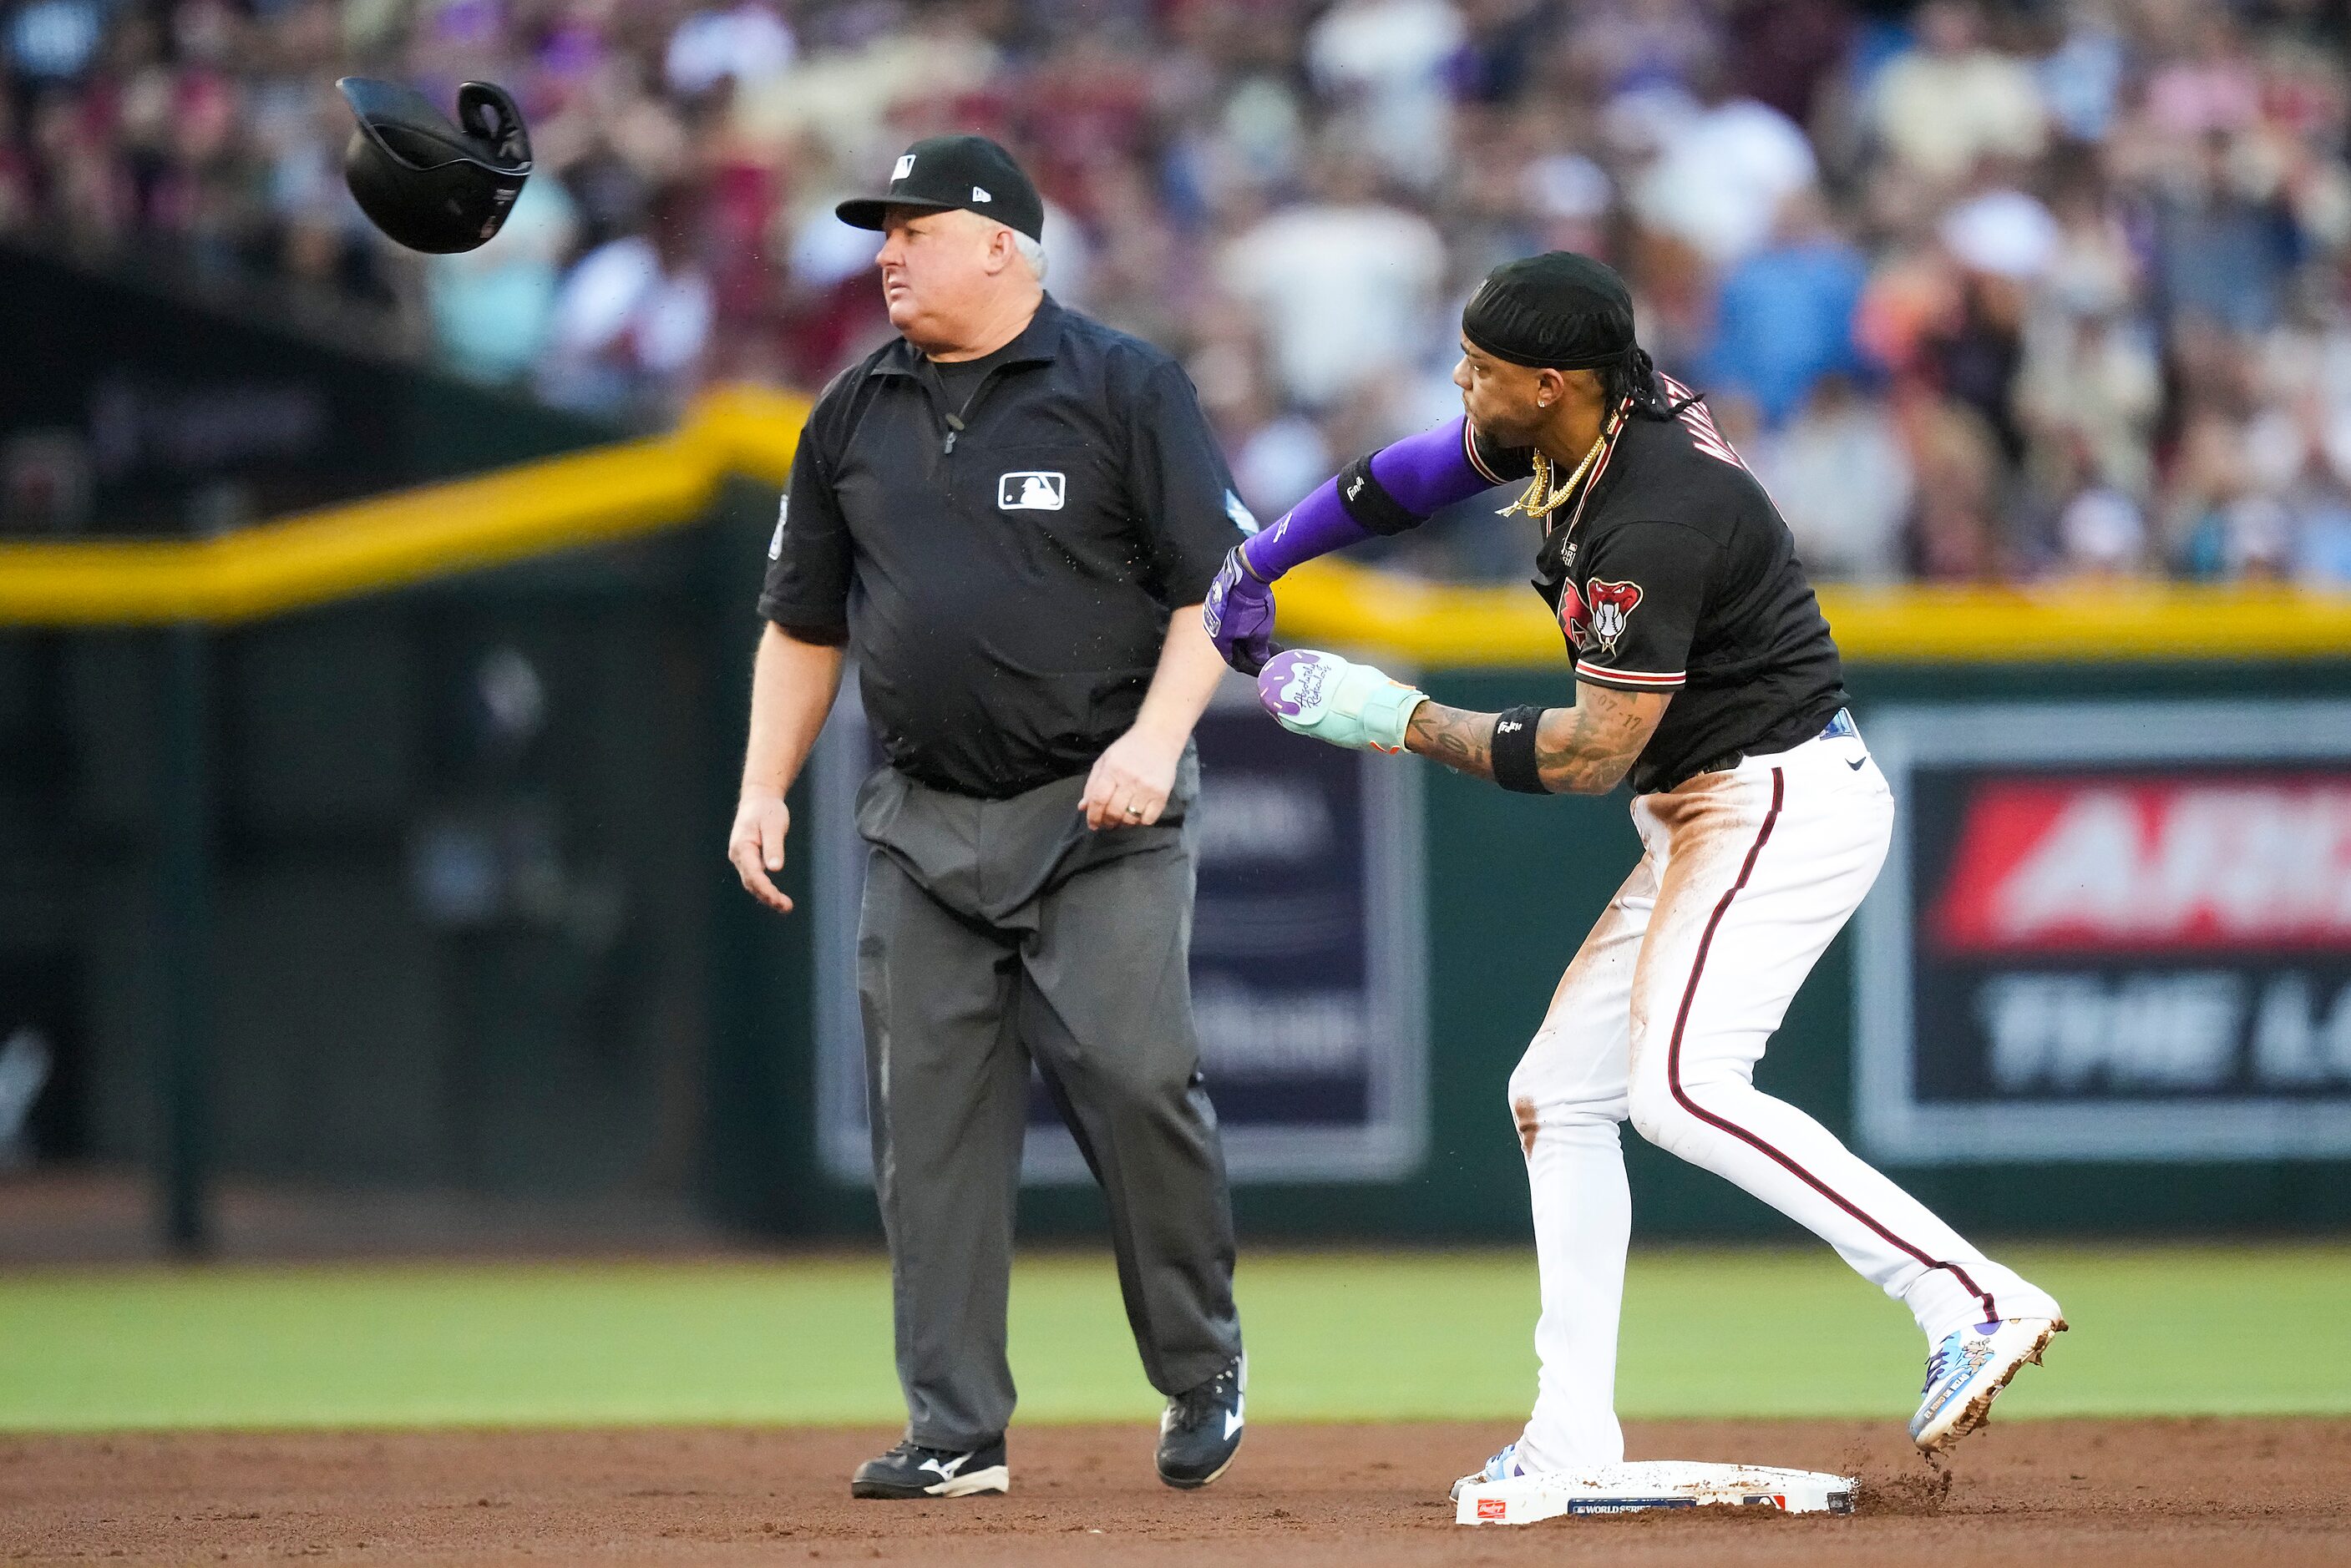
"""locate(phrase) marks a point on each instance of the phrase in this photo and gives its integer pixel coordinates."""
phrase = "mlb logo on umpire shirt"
(1031, 491)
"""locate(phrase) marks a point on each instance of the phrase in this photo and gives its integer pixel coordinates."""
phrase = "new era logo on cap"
(979, 195)
(906, 167)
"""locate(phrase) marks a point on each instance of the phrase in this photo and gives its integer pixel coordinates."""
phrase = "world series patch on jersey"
(1676, 573)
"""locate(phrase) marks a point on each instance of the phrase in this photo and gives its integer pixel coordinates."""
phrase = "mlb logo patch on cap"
(943, 174)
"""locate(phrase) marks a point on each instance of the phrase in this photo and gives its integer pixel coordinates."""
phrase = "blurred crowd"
(1984, 292)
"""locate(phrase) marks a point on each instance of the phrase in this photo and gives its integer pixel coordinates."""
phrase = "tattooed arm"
(1584, 750)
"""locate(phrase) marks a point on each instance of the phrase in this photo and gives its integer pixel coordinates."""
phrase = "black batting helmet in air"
(429, 184)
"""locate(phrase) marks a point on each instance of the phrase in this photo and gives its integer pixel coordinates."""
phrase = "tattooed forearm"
(1585, 750)
(1459, 739)
(1589, 748)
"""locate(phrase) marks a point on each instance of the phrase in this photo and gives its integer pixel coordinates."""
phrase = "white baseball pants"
(1662, 1017)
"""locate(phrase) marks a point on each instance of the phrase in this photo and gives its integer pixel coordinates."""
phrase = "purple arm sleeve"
(1425, 472)
(1430, 471)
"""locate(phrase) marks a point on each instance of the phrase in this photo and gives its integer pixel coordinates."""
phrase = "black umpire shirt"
(1675, 573)
(1004, 554)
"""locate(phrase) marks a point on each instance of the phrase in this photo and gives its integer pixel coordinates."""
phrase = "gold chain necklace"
(1539, 500)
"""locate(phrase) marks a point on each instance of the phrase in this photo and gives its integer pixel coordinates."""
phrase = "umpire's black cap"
(945, 173)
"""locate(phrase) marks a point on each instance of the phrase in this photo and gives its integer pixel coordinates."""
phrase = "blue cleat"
(1967, 1372)
(1501, 1467)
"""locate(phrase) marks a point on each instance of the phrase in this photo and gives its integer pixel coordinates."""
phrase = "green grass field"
(1711, 1333)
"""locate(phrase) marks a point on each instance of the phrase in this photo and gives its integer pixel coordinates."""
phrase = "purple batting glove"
(1238, 615)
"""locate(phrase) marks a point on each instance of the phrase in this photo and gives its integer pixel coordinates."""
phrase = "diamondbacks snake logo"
(1596, 617)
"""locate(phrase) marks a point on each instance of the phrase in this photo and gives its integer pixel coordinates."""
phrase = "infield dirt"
(2207, 1493)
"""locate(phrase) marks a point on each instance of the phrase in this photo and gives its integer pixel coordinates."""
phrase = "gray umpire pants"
(995, 933)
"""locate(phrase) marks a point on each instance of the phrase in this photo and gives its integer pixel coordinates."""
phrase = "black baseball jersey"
(1677, 574)
(1002, 545)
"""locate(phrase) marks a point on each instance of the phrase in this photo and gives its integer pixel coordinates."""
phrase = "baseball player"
(1705, 674)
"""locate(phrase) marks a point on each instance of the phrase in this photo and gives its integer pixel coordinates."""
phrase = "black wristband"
(1513, 750)
(1367, 501)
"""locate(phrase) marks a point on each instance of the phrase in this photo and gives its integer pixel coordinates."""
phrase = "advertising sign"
(2109, 930)
(1309, 948)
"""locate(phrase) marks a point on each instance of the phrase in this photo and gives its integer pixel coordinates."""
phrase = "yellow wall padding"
(1442, 625)
(634, 487)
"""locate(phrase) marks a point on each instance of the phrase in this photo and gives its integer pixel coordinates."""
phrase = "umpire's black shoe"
(911, 1469)
(1201, 1430)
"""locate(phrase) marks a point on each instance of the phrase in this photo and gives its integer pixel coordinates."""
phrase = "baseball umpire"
(1705, 672)
(1010, 515)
